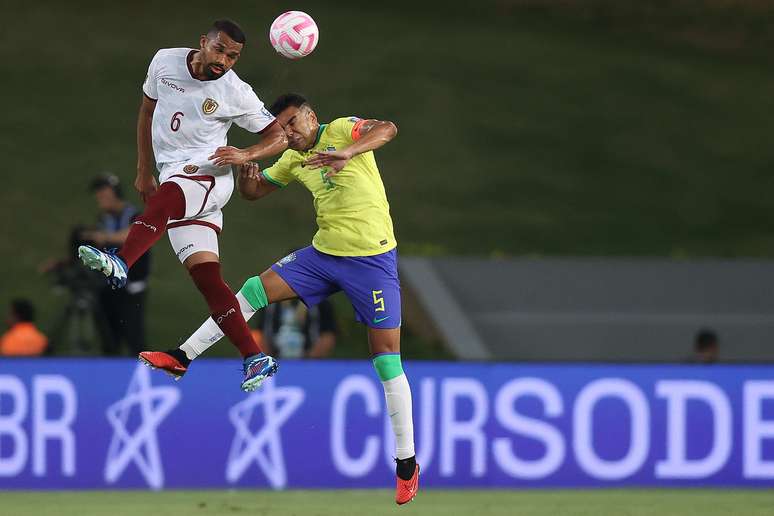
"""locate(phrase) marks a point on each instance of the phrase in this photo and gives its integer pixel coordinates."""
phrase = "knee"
(255, 293)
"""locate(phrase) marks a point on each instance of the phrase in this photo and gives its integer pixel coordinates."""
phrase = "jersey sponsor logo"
(265, 112)
(383, 242)
(209, 106)
(191, 169)
(286, 260)
(171, 85)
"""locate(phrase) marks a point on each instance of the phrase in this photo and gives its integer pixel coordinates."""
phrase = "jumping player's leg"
(384, 345)
(304, 273)
(256, 293)
(204, 268)
(372, 285)
(168, 203)
(196, 246)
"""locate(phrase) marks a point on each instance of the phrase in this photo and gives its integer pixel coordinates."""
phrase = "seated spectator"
(706, 347)
(290, 330)
(22, 337)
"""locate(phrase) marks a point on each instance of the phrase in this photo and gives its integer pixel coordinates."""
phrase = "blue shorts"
(370, 282)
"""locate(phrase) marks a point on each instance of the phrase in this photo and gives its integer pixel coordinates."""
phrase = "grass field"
(591, 127)
(379, 502)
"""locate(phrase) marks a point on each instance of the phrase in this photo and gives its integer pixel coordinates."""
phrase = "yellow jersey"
(353, 215)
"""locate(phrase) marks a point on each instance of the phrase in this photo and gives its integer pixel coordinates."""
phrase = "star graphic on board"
(140, 446)
(265, 445)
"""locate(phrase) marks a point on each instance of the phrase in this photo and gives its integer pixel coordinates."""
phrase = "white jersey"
(192, 117)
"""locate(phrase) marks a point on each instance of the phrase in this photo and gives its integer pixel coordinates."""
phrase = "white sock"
(397, 393)
(209, 333)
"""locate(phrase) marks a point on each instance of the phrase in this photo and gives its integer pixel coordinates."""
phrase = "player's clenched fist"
(229, 156)
(250, 171)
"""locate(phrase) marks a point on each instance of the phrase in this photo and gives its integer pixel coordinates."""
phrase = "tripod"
(80, 324)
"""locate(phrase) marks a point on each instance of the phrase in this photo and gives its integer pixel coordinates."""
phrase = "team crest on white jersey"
(209, 106)
(190, 169)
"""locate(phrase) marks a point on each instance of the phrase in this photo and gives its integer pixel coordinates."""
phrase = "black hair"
(107, 180)
(229, 27)
(287, 100)
(23, 310)
(706, 339)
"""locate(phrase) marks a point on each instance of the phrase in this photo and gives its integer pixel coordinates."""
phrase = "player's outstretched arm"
(273, 141)
(252, 185)
(373, 134)
(146, 182)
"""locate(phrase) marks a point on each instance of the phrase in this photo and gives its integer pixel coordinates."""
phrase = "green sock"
(387, 366)
(253, 291)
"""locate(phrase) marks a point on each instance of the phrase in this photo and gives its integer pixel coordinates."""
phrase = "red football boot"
(163, 361)
(406, 490)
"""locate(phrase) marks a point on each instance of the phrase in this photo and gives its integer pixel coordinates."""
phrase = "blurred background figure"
(116, 316)
(706, 347)
(124, 309)
(290, 330)
(22, 337)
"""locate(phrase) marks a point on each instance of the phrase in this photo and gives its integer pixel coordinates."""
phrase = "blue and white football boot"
(257, 368)
(106, 262)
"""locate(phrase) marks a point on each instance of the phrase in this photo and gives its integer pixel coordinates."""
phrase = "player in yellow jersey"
(354, 250)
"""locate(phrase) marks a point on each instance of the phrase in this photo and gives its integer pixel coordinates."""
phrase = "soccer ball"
(294, 34)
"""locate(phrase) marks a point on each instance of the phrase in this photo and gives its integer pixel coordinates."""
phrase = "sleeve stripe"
(271, 180)
(356, 130)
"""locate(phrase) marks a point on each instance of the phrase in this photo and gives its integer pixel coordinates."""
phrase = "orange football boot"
(163, 361)
(406, 490)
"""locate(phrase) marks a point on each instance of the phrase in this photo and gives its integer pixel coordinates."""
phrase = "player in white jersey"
(191, 99)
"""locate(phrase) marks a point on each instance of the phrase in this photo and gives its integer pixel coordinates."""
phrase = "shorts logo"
(184, 249)
(190, 169)
(230, 311)
(286, 260)
(209, 106)
(146, 225)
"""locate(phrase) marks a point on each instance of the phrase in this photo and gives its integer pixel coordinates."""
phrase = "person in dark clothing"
(124, 309)
(706, 347)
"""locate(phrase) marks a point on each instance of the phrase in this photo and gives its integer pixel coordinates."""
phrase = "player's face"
(219, 54)
(300, 126)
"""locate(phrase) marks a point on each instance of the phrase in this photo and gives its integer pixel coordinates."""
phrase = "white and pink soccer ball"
(294, 34)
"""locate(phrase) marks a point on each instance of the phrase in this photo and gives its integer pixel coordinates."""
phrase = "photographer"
(123, 310)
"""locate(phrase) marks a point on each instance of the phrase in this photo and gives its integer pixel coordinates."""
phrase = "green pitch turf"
(377, 502)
